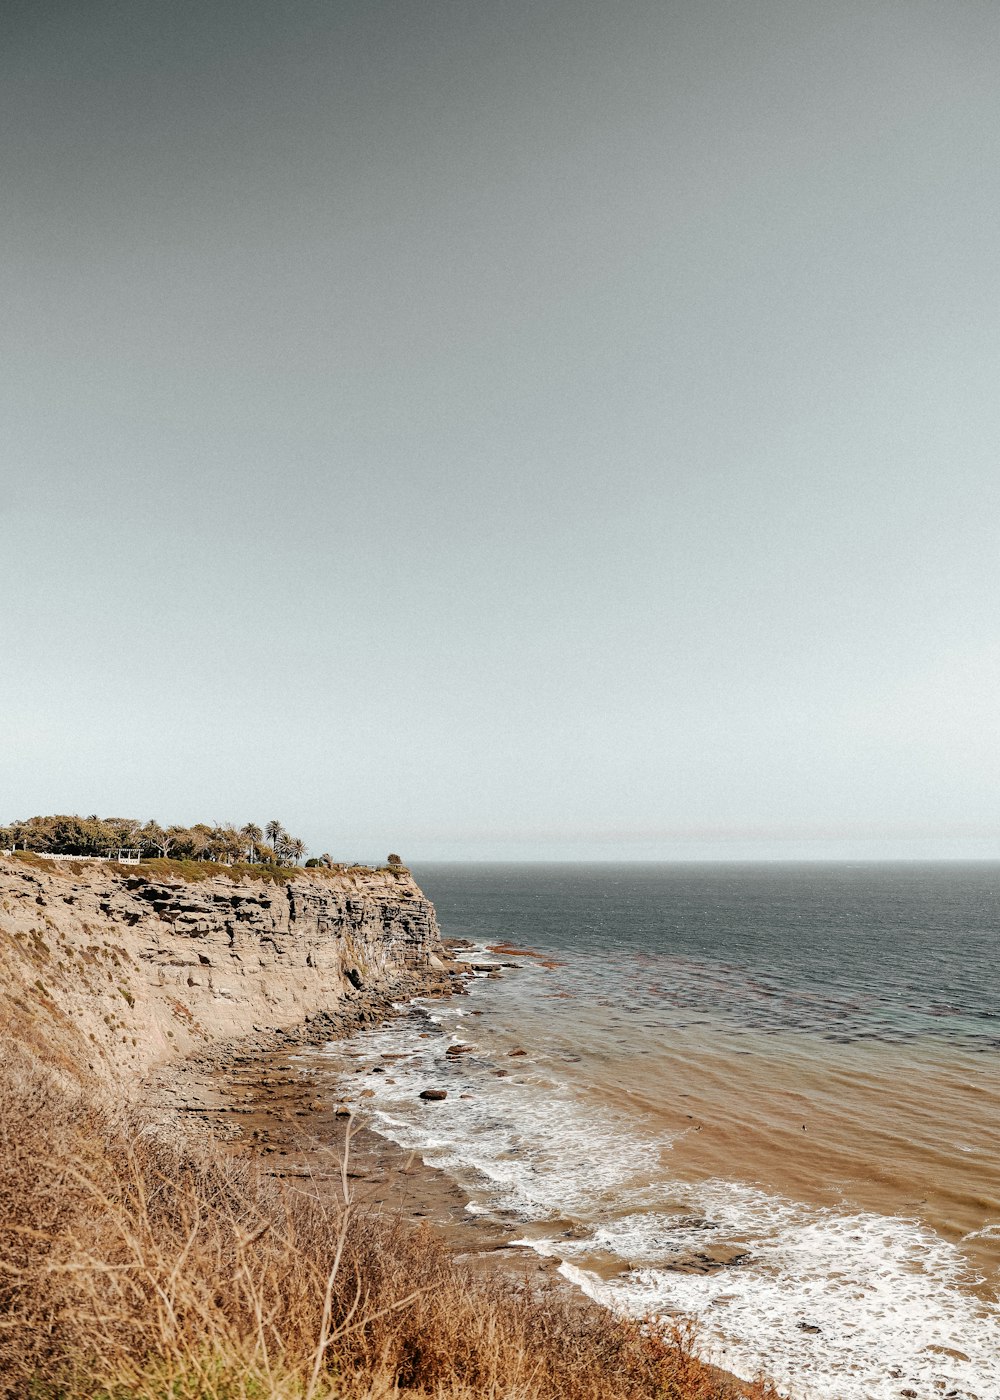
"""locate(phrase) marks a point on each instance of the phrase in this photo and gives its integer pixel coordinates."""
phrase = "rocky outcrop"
(139, 965)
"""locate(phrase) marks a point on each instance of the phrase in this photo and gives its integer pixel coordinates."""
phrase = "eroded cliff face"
(130, 967)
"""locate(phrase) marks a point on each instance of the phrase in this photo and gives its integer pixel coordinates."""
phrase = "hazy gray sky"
(505, 428)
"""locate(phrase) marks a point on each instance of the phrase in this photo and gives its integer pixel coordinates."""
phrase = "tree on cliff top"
(253, 836)
(105, 836)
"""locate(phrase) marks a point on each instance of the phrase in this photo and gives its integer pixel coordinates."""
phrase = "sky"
(510, 430)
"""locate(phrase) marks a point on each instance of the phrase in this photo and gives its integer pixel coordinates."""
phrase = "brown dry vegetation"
(133, 1270)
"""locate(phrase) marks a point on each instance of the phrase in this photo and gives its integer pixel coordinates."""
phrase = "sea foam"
(834, 1305)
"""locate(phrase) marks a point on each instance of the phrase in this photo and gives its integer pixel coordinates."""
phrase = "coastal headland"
(147, 963)
(154, 1019)
(190, 988)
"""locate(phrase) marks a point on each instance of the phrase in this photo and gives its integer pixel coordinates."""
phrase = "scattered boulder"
(434, 1095)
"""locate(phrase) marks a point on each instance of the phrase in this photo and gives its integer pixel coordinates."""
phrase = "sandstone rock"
(177, 964)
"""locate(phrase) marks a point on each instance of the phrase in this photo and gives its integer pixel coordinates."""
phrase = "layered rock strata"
(141, 965)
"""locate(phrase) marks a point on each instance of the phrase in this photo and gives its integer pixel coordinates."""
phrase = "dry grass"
(130, 1270)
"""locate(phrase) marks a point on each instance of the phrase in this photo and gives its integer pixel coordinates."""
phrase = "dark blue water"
(845, 952)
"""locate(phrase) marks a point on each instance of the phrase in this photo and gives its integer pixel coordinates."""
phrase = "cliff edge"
(132, 966)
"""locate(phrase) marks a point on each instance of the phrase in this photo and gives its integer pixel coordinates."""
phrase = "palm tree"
(274, 831)
(253, 836)
(297, 849)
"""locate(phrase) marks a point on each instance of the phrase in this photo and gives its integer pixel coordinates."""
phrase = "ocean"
(763, 1097)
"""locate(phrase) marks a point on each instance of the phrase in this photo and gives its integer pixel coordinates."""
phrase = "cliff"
(109, 968)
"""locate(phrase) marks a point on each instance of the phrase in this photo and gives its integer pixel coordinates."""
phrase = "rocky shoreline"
(263, 1096)
(202, 996)
(266, 1097)
(194, 992)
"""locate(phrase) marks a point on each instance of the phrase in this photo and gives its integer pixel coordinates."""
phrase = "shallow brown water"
(897, 1131)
